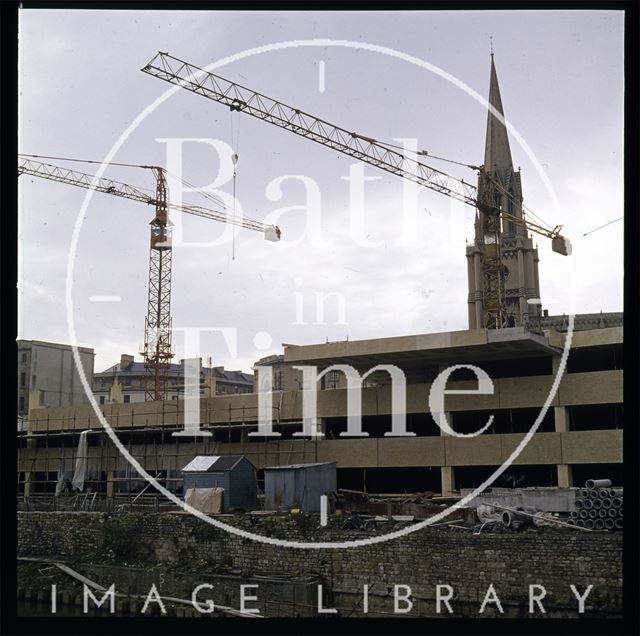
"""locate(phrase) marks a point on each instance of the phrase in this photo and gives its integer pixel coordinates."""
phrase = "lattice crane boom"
(367, 149)
(157, 350)
(126, 191)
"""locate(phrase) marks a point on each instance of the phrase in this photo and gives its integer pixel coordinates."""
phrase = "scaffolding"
(48, 449)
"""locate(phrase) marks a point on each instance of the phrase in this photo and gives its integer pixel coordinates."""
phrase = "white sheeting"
(82, 458)
(207, 500)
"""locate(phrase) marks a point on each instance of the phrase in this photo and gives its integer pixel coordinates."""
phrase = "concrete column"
(110, 484)
(565, 476)
(447, 477)
(555, 364)
(562, 419)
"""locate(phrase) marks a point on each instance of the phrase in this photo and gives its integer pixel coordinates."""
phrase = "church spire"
(497, 153)
(518, 255)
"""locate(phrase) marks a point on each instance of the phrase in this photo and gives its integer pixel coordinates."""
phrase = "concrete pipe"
(574, 514)
(593, 493)
(618, 523)
(609, 524)
(587, 504)
(583, 493)
(619, 510)
(603, 492)
(615, 492)
(602, 513)
(598, 483)
(606, 503)
(579, 503)
(506, 519)
(597, 503)
(515, 521)
(588, 524)
(584, 514)
(616, 502)
(613, 512)
(593, 514)
(599, 524)
(580, 523)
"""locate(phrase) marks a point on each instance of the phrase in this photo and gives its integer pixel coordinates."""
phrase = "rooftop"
(212, 463)
(178, 369)
(298, 466)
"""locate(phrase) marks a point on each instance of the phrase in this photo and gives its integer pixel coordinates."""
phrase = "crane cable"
(182, 181)
(109, 163)
(235, 146)
(426, 153)
(605, 225)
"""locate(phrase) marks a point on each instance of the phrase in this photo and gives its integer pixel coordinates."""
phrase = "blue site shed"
(298, 485)
(235, 473)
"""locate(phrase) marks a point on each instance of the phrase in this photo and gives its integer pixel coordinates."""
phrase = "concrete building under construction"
(578, 436)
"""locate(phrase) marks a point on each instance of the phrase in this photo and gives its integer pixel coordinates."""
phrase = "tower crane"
(157, 350)
(487, 197)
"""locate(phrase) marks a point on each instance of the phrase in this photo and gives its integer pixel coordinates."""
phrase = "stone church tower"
(519, 256)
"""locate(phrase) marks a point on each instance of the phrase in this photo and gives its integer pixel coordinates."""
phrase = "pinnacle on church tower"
(519, 257)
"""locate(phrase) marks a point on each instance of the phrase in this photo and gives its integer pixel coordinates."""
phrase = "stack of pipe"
(598, 506)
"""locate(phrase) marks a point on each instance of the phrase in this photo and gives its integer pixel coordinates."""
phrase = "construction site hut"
(234, 473)
(298, 486)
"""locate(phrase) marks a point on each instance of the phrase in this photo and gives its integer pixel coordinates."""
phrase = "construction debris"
(419, 506)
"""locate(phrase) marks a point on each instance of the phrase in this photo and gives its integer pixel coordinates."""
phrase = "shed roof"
(296, 466)
(212, 463)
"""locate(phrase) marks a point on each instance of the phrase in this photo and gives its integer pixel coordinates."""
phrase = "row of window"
(23, 380)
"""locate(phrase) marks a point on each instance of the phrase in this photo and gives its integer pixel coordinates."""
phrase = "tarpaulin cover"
(81, 463)
(207, 500)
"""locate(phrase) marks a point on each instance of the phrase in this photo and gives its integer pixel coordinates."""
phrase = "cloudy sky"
(561, 78)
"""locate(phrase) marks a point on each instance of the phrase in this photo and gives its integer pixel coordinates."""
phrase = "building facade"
(124, 381)
(47, 375)
(578, 437)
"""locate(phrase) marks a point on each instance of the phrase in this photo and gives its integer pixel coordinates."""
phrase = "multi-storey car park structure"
(579, 437)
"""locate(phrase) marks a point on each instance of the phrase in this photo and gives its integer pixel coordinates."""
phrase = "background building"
(128, 378)
(47, 375)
